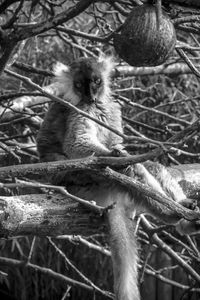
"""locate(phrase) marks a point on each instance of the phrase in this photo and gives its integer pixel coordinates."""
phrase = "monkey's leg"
(162, 181)
(168, 216)
(168, 183)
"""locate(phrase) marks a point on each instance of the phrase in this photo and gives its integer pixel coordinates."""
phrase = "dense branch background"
(160, 112)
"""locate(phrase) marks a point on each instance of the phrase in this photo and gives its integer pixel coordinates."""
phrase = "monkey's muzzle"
(90, 100)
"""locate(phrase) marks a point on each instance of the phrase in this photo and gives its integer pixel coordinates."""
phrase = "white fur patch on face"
(70, 96)
(64, 78)
(107, 62)
(59, 69)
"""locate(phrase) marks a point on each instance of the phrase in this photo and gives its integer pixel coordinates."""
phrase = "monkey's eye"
(78, 84)
(97, 80)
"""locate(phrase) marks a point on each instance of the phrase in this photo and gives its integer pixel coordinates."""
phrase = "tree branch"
(93, 165)
(14, 263)
(66, 15)
(56, 88)
(46, 215)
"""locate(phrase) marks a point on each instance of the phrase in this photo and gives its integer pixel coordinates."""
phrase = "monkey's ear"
(60, 69)
(107, 64)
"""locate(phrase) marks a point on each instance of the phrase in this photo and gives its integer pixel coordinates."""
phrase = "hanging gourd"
(144, 40)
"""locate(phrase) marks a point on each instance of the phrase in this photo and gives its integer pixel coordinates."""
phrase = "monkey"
(88, 88)
(65, 134)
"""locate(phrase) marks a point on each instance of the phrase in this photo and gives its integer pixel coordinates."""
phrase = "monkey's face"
(85, 80)
(88, 82)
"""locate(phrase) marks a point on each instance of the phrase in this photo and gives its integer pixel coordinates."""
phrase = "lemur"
(65, 134)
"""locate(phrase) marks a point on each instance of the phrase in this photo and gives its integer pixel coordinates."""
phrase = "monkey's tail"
(123, 248)
(122, 237)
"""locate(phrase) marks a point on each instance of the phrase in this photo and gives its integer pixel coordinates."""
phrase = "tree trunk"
(46, 215)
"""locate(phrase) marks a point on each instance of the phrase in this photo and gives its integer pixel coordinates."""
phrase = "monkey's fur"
(66, 134)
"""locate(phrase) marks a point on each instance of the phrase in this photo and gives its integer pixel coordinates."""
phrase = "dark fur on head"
(86, 79)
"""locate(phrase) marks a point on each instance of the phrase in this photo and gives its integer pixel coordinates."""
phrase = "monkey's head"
(85, 80)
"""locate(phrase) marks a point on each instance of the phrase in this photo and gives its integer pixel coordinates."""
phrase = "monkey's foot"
(117, 152)
(190, 203)
(187, 227)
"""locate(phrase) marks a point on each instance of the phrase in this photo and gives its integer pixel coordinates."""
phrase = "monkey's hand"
(190, 203)
(189, 227)
(118, 151)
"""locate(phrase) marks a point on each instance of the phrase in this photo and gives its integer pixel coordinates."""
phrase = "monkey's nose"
(89, 99)
(93, 99)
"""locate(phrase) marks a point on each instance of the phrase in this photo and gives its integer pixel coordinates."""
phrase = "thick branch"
(133, 184)
(90, 164)
(46, 215)
(166, 69)
(184, 172)
(56, 215)
(190, 3)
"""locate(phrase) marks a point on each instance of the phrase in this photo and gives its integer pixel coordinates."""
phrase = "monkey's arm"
(84, 145)
(82, 138)
(91, 145)
(51, 134)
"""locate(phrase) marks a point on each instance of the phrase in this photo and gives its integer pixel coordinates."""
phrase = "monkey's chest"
(83, 135)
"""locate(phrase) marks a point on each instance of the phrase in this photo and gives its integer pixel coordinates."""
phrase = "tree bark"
(46, 215)
(55, 214)
(191, 3)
